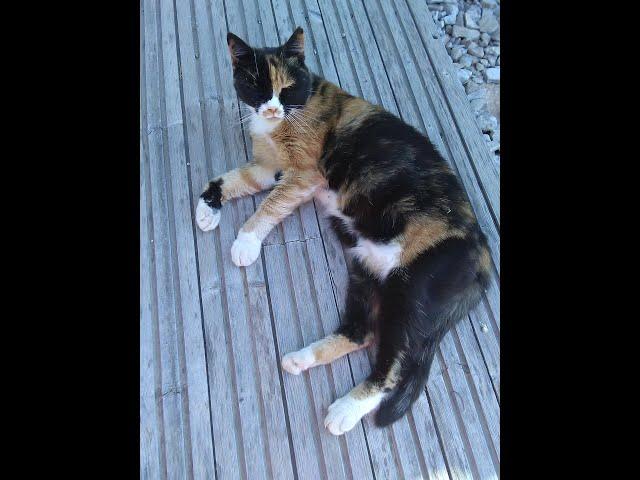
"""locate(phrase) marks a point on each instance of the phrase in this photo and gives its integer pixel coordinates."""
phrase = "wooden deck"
(214, 402)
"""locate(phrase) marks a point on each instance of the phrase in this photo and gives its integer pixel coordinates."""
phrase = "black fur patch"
(212, 196)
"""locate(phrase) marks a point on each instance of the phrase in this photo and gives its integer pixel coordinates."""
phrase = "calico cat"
(419, 261)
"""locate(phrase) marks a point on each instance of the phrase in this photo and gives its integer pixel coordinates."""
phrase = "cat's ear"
(295, 45)
(238, 49)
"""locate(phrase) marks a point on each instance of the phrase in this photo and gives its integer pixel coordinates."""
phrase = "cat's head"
(271, 81)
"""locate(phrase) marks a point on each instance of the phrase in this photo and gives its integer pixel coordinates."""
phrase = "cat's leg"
(355, 332)
(346, 411)
(293, 189)
(410, 325)
(246, 180)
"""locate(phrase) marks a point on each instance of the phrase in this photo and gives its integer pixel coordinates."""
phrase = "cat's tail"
(413, 377)
(415, 363)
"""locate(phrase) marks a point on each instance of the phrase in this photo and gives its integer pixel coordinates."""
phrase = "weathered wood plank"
(189, 319)
(171, 385)
(265, 443)
(299, 396)
(151, 457)
(202, 117)
(480, 446)
(452, 434)
(478, 380)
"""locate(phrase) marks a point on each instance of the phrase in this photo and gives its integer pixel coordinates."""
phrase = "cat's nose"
(271, 112)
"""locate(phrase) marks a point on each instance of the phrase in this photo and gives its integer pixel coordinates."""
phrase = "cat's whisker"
(309, 129)
(305, 116)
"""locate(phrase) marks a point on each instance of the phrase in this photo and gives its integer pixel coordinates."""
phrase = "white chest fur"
(378, 258)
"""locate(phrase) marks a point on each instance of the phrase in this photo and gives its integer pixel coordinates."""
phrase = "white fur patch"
(263, 122)
(345, 412)
(297, 362)
(207, 218)
(245, 249)
(378, 258)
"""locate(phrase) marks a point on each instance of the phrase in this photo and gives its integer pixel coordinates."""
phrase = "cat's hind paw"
(343, 415)
(207, 217)
(245, 249)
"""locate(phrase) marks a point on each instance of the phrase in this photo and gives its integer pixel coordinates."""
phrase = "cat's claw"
(207, 218)
(245, 249)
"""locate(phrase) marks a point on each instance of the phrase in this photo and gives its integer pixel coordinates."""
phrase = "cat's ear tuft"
(238, 49)
(295, 45)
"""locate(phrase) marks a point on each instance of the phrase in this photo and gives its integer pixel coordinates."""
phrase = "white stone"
(465, 33)
(464, 75)
(476, 50)
(488, 22)
(472, 17)
(457, 52)
(492, 75)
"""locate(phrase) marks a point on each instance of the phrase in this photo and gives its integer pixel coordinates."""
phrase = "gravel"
(492, 75)
(470, 31)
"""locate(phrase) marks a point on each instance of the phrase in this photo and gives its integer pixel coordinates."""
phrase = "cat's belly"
(379, 258)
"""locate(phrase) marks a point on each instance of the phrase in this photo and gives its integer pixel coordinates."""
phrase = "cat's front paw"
(207, 218)
(209, 205)
(297, 362)
(245, 249)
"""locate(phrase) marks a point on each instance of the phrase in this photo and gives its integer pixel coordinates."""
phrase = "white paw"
(245, 249)
(343, 415)
(297, 362)
(345, 412)
(207, 218)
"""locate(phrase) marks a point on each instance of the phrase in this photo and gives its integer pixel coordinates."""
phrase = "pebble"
(478, 92)
(452, 10)
(478, 105)
(470, 30)
(492, 75)
(464, 75)
(449, 20)
(472, 87)
(488, 22)
(465, 60)
(476, 50)
(466, 33)
(456, 53)
(493, 146)
(472, 17)
(487, 122)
